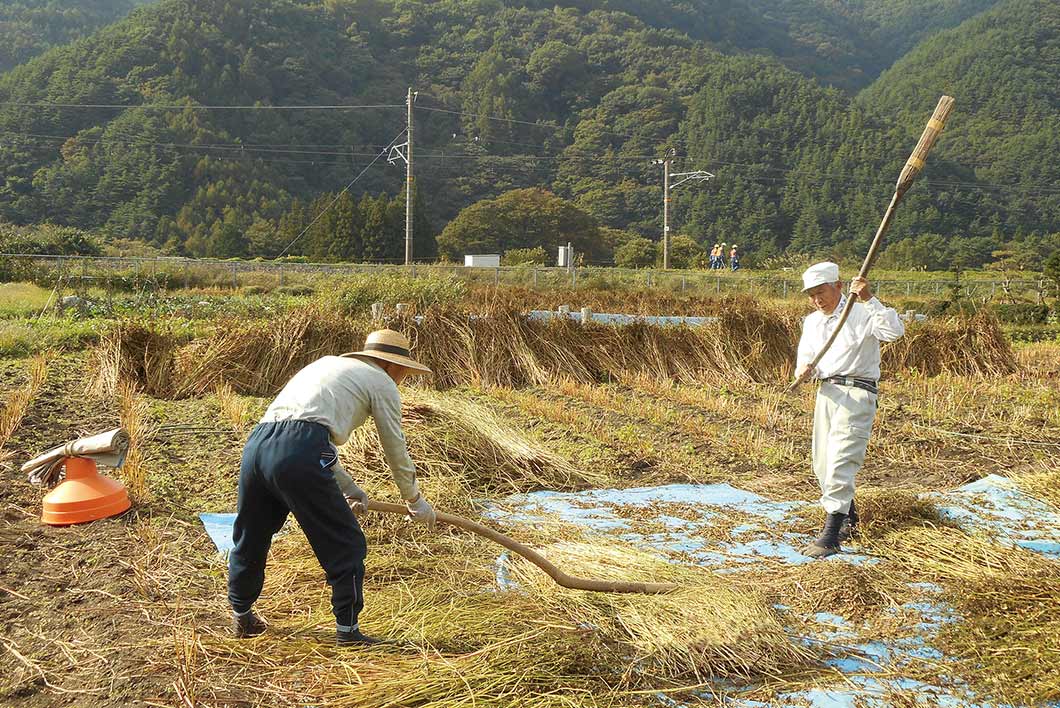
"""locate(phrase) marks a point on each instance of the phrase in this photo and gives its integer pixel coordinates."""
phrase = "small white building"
(490, 260)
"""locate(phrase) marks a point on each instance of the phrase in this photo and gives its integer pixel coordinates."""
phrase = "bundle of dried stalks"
(846, 589)
(258, 357)
(460, 645)
(973, 346)
(884, 510)
(235, 410)
(460, 441)
(136, 423)
(1007, 598)
(709, 629)
(138, 353)
(464, 641)
(505, 349)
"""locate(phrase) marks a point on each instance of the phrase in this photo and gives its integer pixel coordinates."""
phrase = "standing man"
(290, 465)
(846, 400)
(734, 258)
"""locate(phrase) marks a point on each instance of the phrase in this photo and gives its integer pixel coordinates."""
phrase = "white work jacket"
(340, 393)
(856, 351)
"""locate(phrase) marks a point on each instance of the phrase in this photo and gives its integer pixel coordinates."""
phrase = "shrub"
(1022, 313)
(48, 239)
(949, 308)
(297, 290)
(357, 293)
(23, 270)
(1032, 333)
(525, 256)
(636, 253)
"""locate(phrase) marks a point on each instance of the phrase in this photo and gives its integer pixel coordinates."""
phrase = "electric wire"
(338, 196)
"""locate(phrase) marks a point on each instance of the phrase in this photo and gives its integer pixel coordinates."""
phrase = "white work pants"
(842, 423)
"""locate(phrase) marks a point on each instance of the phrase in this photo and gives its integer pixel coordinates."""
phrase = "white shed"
(490, 260)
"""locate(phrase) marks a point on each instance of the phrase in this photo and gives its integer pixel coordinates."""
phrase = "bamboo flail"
(561, 578)
(912, 168)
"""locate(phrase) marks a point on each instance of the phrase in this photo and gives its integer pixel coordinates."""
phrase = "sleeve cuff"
(874, 304)
(410, 492)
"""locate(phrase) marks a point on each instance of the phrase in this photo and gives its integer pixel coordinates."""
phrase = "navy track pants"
(286, 467)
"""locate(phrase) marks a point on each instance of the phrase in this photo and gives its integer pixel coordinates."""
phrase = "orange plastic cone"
(86, 495)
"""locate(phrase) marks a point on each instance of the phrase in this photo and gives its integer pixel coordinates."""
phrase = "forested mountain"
(845, 43)
(29, 27)
(1004, 68)
(576, 97)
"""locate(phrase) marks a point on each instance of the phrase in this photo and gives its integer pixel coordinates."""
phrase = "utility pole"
(666, 209)
(698, 175)
(404, 152)
(409, 186)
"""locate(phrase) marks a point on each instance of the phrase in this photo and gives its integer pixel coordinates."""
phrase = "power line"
(345, 189)
(567, 156)
(197, 107)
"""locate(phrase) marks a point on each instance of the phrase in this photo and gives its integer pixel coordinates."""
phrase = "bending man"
(290, 464)
(849, 374)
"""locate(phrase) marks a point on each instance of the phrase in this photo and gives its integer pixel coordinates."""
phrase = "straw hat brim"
(405, 361)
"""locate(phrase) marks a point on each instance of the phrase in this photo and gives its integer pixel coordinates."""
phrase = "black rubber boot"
(355, 638)
(248, 625)
(827, 544)
(849, 529)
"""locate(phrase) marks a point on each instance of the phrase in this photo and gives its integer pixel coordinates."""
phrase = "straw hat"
(390, 346)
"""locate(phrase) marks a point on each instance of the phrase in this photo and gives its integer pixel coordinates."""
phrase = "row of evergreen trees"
(332, 227)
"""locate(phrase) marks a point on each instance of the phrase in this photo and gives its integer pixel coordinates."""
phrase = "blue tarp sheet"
(680, 515)
(219, 529)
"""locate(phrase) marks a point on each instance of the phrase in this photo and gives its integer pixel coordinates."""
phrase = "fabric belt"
(864, 384)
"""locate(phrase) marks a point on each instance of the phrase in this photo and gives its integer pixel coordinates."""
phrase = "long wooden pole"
(567, 581)
(912, 168)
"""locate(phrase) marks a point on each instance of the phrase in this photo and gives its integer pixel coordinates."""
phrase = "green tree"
(522, 218)
(227, 239)
(685, 252)
(1051, 271)
(375, 232)
(635, 253)
(346, 244)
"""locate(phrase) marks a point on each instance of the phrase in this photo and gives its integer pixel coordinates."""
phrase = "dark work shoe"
(827, 544)
(247, 625)
(355, 638)
(849, 529)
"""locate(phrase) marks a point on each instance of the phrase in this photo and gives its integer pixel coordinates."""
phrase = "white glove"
(421, 510)
(357, 498)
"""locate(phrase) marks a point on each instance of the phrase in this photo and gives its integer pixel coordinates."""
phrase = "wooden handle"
(567, 581)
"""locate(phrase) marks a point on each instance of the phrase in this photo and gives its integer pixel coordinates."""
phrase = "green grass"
(23, 337)
(22, 299)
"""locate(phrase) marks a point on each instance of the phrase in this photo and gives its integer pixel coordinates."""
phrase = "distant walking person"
(715, 257)
(721, 256)
(734, 258)
(846, 400)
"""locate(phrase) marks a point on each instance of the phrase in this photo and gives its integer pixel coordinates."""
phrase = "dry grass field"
(131, 610)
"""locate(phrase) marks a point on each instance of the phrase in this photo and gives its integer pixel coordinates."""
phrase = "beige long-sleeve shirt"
(340, 393)
(856, 351)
